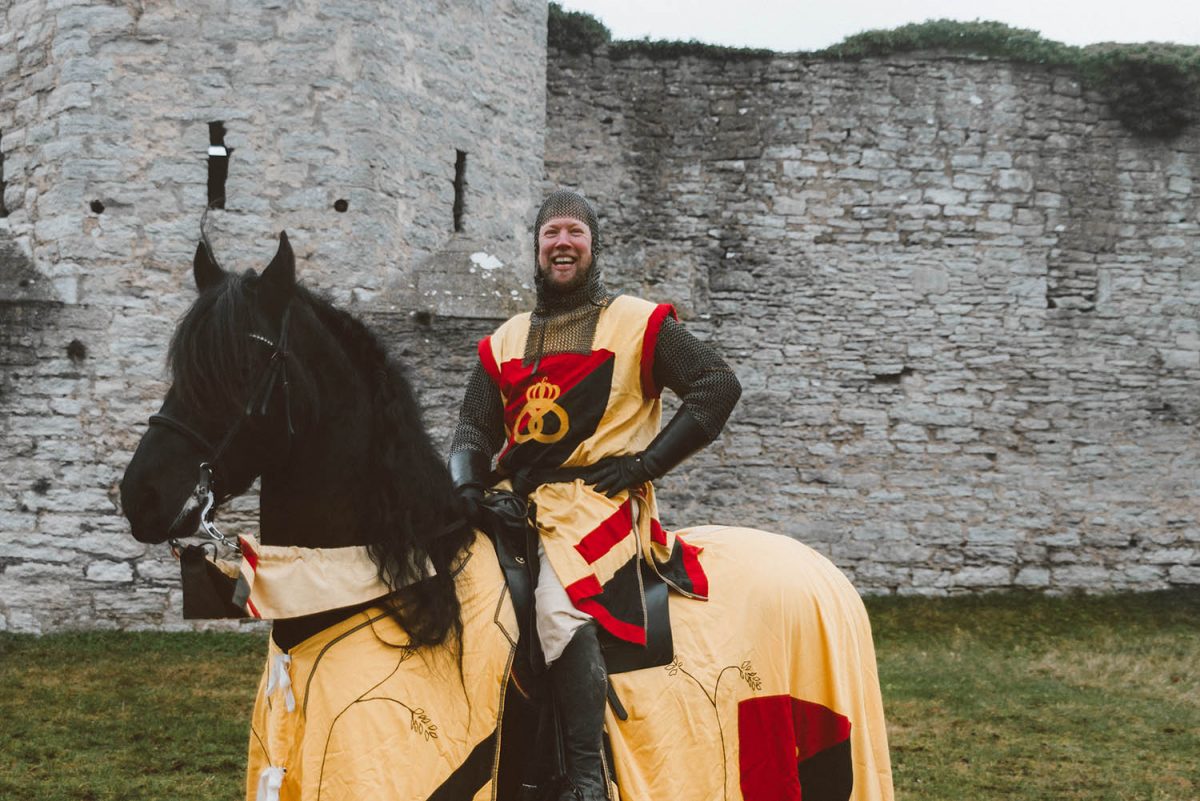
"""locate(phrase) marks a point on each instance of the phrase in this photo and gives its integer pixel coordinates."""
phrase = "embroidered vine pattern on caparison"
(422, 725)
(747, 674)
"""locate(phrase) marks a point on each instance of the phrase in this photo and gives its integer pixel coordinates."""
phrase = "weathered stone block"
(1032, 577)
(906, 432)
(1019, 180)
(981, 577)
(991, 535)
(929, 414)
(1184, 574)
(1180, 359)
(109, 571)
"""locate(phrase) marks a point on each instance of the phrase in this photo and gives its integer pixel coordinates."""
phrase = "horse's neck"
(309, 514)
(319, 496)
(310, 498)
(310, 501)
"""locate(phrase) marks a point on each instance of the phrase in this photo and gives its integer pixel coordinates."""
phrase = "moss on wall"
(1153, 88)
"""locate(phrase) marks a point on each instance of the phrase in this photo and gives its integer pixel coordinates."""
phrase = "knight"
(567, 400)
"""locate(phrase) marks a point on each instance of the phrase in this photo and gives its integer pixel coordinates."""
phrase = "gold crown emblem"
(531, 421)
(543, 391)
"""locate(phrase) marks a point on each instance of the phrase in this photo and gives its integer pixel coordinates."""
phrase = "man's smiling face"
(564, 253)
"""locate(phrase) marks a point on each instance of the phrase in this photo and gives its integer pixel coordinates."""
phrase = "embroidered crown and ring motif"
(539, 402)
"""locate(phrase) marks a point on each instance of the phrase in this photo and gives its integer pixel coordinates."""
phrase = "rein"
(255, 406)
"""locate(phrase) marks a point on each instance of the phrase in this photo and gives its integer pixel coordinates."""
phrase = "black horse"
(337, 440)
(273, 382)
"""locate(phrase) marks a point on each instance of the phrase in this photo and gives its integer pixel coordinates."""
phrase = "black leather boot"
(580, 685)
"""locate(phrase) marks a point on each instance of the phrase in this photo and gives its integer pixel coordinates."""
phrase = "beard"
(577, 281)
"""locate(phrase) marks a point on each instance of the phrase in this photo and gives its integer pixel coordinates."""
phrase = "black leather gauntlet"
(681, 437)
(471, 472)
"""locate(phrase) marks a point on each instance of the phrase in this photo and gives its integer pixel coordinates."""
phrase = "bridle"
(256, 406)
(203, 497)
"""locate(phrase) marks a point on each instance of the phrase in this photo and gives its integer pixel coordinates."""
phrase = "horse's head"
(233, 398)
(270, 380)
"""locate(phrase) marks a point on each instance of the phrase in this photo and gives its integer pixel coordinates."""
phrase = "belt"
(527, 480)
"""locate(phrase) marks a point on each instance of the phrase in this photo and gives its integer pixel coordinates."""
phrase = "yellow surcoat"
(576, 409)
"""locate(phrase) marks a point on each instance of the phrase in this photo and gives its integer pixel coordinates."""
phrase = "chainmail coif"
(565, 322)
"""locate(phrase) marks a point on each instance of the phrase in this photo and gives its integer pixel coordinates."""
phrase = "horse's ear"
(279, 279)
(205, 269)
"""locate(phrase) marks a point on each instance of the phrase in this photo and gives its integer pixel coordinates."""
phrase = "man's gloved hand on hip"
(612, 474)
(681, 437)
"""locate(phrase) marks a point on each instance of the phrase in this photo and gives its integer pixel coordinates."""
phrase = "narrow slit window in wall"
(460, 187)
(218, 165)
(3, 183)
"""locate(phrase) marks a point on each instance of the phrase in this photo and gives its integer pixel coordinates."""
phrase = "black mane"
(213, 359)
(407, 504)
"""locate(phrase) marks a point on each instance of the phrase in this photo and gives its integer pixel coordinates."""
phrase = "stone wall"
(962, 299)
(107, 113)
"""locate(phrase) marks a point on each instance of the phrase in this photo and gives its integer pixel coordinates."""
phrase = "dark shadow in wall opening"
(3, 184)
(460, 187)
(892, 378)
(218, 164)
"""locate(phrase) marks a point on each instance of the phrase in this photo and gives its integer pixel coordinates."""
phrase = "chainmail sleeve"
(481, 416)
(693, 371)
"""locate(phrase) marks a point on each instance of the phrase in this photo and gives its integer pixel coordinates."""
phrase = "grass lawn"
(992, 697)
(1021, 697)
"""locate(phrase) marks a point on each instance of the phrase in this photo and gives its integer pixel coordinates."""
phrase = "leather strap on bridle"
(256, 406)
(180, 427)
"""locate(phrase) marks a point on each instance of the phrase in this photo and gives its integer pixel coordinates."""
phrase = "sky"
(789, 25)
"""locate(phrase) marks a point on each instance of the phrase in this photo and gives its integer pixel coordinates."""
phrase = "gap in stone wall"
(76, 351)
(3, 184)
(460, 187)
(218, 164)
